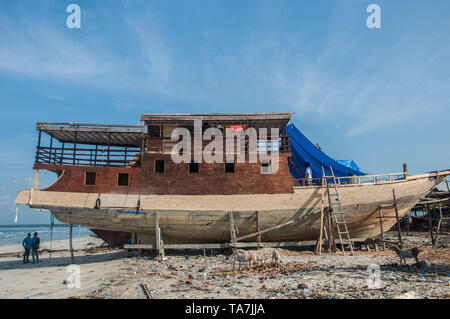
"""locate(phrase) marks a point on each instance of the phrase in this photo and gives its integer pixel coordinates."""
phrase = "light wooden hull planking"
(205, 218)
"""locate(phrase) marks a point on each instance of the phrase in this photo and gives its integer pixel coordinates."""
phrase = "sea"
(13, 234)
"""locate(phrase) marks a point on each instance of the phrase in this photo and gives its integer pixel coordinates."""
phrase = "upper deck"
(79, 144)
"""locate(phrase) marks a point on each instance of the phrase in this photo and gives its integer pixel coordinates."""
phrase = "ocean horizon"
(15, 233)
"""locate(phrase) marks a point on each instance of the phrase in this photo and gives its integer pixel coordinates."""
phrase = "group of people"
(31, 244)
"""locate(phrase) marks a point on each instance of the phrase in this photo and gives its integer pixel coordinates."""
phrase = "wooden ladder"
(334, 202)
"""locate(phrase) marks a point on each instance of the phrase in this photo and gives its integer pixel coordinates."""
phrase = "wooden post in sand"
(71, 245)
(232, 230)
(430, 224)
(157, 233)
(399, 229)
(438, 226)
(407, 223)
(258, 239)
(320, 239)
(331, 244)
(380, 215)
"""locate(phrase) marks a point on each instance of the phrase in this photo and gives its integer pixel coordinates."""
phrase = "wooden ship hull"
(122, 182)
(197, 219)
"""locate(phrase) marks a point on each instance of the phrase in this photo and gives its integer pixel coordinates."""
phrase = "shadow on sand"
(64, 261)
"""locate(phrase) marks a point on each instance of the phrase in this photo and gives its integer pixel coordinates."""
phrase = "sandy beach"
(118, 274)
(45, 280)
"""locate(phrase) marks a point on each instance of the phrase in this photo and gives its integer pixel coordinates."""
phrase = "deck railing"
(98, 156)
(362, 179)
(165, 144)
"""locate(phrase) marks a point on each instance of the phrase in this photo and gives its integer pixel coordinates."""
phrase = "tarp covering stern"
(303, 151)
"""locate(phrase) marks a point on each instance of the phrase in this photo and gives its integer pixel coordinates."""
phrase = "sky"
(377, 96)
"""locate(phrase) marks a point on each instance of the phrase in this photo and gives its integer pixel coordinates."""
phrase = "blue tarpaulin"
(349, 163)
(303, 151)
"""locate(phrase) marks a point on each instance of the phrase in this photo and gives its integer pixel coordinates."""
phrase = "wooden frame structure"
(234, 243)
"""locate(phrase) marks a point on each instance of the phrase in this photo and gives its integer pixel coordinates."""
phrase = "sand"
(119, 274)
(45, 279)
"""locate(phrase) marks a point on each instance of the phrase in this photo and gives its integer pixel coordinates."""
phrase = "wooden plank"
(36, 178)
(268, 229)
(71, 245)
(407, 224)
(399, 230)
(232, 228)
(223, 245)
(319, 241)
(438, 227)
(157, 232)
(258, 239)
(380, 215)
(146, 291)
(430, 225)
(295, 166)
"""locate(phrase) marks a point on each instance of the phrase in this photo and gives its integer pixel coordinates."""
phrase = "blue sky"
(378, 96)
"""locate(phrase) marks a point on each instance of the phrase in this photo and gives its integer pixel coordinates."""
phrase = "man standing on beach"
(27, 243)
(35, 247)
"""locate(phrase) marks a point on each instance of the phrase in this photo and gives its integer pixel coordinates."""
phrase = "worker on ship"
(27, 244)
(308, 175)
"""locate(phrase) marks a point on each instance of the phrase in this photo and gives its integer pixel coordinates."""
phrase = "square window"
(159, 166)
(193, 167)
(123, 179)
(89, 178)
(154, 130)
(229, 167)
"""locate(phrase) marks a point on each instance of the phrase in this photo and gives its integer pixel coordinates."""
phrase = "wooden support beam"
(430, 225)
(223, 245)
(50, 151)
(438, 227)
(62, 153)
(320, 239)
(39, 146)
(258, 229)
(157, 232)
(295, 167)
(109, 148)
(71, 245)
(380, 215)
(331, 243)
(399, 229)
(232, 229)
(268, 229)
(407, 223)
(36, 178)
(75, 147)
(95, 157)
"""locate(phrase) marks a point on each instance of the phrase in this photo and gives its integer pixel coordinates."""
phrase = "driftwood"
(146, 291)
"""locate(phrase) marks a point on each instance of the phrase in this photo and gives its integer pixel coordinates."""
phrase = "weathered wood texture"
(205, 218)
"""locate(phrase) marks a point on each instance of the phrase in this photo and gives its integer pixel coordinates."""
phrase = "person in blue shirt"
(36, 241)
(27, 243)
